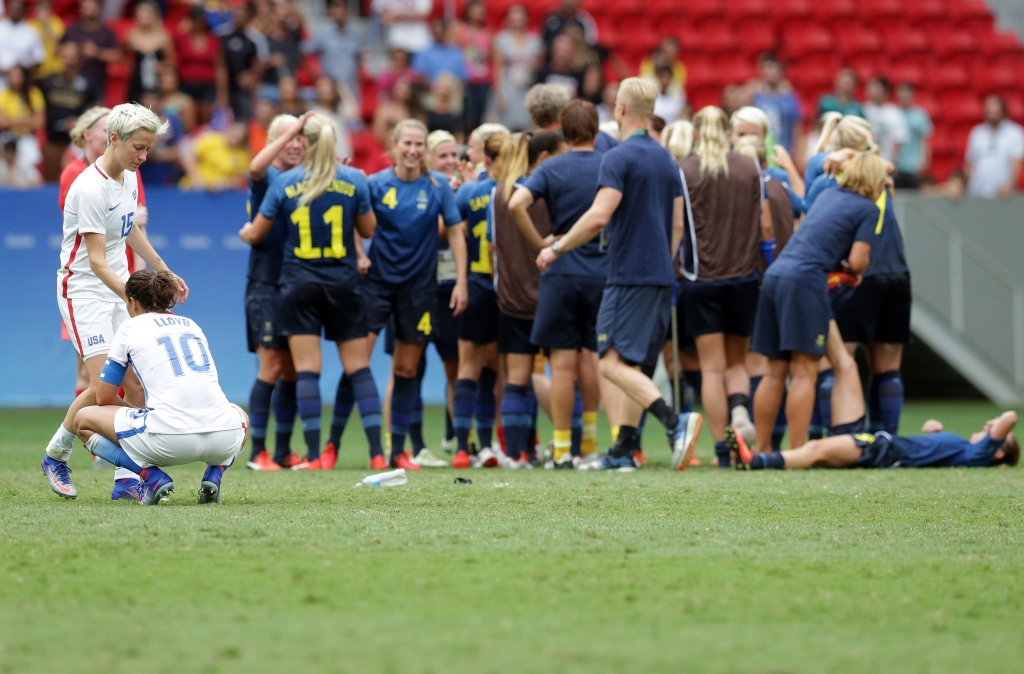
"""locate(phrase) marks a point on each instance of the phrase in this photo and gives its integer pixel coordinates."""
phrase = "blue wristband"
(768, 250)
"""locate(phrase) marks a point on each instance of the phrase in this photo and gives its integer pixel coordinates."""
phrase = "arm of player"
(589, 224)
(785, 162)
(111, 378)
(678, 224)
(457, 242)
(254, 232)
(521, 200)
(262, 161)
(1002, 426)
(859, 258)
(96, 245)
(362, 259)
(139, 242)
(932, 426)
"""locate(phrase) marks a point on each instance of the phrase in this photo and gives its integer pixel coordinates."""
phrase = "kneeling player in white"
(186, 417)
(99, 215)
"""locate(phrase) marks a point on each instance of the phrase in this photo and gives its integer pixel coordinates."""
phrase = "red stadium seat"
(954, 44)
(756, 35)
(869, 65)
(701, 10)
(718, 37)
(880, 12)
(973, 15)
(1015, 105)
(1000, 43)
(735, 69)
(997, 79)
(739, 10)
(833, 11)
(857, 40)
(702, 73)
(905, 44)
(789, 12)
(961, 107)
(906, 72)
(925, 13)
(809, 42)
(812, 73)
(948, 76)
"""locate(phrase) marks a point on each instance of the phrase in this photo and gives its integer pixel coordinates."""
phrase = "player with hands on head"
(94, 268)
(323, 204)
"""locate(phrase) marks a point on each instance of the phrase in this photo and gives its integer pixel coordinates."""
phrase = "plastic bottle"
(393, 478)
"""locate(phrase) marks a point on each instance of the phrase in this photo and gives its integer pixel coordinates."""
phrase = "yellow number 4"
(390, 199)
(424, 324)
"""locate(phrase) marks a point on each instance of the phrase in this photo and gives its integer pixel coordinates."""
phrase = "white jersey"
(173, 361)
(96, 204)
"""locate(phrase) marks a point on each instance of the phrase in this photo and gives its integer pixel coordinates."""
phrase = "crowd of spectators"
(220, 70)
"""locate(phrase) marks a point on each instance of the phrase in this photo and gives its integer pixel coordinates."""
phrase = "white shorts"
(216, 448)
(91, 323)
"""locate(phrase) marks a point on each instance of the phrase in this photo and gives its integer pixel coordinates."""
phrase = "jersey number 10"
(186, 351)
(333, 218)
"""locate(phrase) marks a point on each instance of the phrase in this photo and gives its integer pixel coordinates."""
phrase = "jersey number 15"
(333, 218)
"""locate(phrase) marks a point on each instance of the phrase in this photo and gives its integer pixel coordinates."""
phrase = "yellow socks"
(563, 444)
(589, 443)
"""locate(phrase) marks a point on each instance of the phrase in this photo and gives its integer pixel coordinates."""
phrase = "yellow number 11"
(334, 217)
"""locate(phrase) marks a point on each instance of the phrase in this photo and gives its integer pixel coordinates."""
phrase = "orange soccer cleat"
(290, 461)
(402, 461)
(262, 461)
(461, 459)
(378, 462)
(735, 442)
(306, 464)
(329, 457)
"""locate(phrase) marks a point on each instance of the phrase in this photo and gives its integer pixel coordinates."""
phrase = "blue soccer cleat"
(156, 485)
(684, 439)
(126, 488)
(620, 464)
(59, 476)
(209, 488)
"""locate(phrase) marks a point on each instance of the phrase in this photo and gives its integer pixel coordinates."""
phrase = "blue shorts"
(480, 320)
(792, 315)
(446, 336)
(878, 450)
(567, 308)
(725, 306)
(338, 311)
(634, 320)
(262, 306)
(412, 311)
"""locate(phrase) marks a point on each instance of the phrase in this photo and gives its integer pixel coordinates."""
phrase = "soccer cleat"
(486, 458)
(743, 425)
(289, 461)
(639, 459)
(461, 459)
(209, 488)
(426, 459)
(620, 464)
(402, 461)
(378, 462)
(684, 439)
(448, 446)
(262, 461)
(505, 461)
(590, 459)
(567, 462)
(126, 488)
(695, 461)
(329, 457)
(59, 476)
(735, 441)
(99, 464)
(156, 484)
(306, 464)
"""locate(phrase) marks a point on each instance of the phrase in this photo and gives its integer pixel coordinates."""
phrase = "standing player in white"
(99, 218)
(185, 417)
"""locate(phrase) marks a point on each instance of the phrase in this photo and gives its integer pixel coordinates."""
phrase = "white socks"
(61, 444)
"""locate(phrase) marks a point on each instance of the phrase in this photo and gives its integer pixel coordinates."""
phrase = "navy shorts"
(876, 451)
(446, 334)
(726, 306)
(413, 312)
(514, 336)
(480, 320)
(686, 342)
(876, 311)
(792, 315)
(567, 308)
(634, 320)
(262, 308)
(308, 308)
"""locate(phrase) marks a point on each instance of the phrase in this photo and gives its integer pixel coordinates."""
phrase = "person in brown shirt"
(517, 283)
(724, 201)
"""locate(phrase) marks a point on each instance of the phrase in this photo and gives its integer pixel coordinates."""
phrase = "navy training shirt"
(797, 201)
(604, 142)
(945, 449)
(320, 243)
(405, 246)
(266, 256)
(568, 184)
(815, 167)
(838, 219)
(640, 230)
(474, 202)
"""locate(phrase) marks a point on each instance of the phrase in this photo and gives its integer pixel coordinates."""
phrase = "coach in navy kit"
(640, 200)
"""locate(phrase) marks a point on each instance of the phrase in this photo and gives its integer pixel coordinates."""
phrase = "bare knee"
(271, 364)
(607, 367)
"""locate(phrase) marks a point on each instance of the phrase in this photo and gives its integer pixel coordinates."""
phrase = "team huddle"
(565, 249)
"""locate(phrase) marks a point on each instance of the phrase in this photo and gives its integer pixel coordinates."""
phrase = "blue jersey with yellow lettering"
(266, 256)
(945, 449)
(474, 203)
(320, 244)
(404, 251)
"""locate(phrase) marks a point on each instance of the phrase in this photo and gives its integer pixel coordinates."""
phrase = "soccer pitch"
(525, 571)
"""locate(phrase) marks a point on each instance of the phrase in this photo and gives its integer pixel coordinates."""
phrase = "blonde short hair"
(639, 95)
(544, 102)
(864, 174)
(274, 130)
(485, 131)
(748, 114)
(85, 122)
(437, 137)
(127, 118)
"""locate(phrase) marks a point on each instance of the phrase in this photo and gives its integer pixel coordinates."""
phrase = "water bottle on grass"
(392, 478)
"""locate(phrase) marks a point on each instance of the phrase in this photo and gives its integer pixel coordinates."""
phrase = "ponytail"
(320, 160)
(828, 125)
(677, 138)
(712, 142)
(494, 146)
(518, 158)
(852, 132)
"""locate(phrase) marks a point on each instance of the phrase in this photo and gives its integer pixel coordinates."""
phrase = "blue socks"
(259, 414)
(516, 419)
(111, 453)
(307, 394)
(577, 422)
(462, 407)
(285, 409)
(485, 406)
(344, 401)
(885, 401)
(449, 427)
(416, 425)
(762, 460)
(722, 452)
(402, 401)
(531, 409)
(364, 389)
(826, 380)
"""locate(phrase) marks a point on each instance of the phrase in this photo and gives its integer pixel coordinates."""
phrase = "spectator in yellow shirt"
(666, 54)
(51, 30)
(218, 160)
(22, 115)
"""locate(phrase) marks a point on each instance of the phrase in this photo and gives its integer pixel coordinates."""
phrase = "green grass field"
(528, 571)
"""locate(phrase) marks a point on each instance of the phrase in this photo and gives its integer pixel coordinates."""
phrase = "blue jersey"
(795, 199)
(568, 184)
(404, 251)
(604, 142)
(640, 230)
(815, 168)
(320, 246)
(474, 203)
(266, 256)
(945, 449)
(836, 221)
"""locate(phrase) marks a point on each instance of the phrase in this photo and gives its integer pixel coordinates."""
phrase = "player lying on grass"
(186, 417)
(994, 444)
